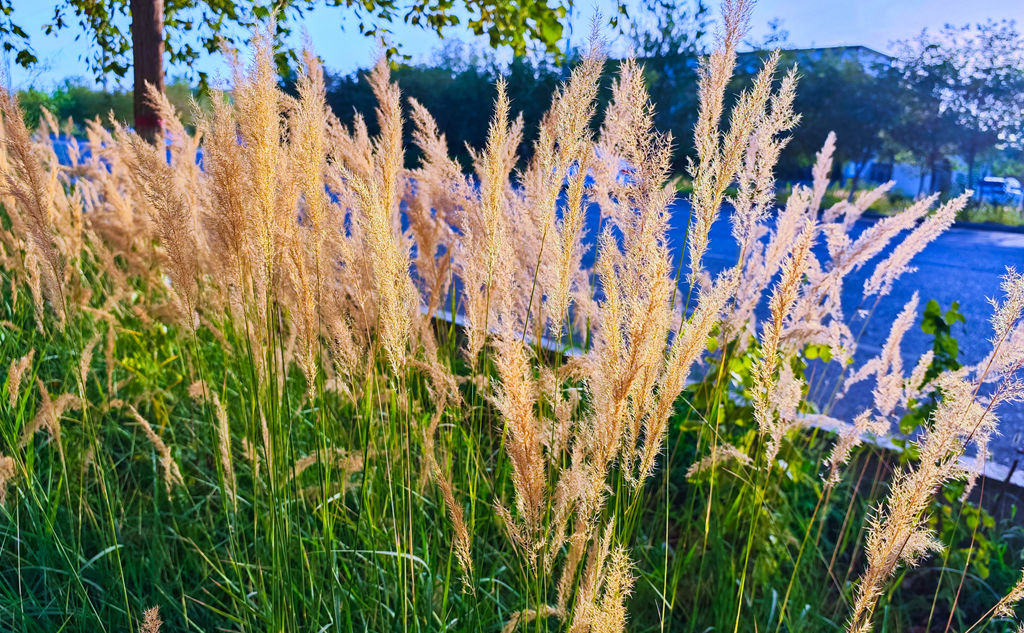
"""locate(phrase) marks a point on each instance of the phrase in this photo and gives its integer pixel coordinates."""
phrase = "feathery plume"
(48, 416)
(151, 622)
(257, 102)
(686, 349)
(378, 197)
(898, 531)
(720, 156)
(822, 168)
(30, 186)
(309, 141)
(887, 367)
(1008, 311)
(487, 260)
(172, 475)
(720, 454)
(851, 436)
(783, 297)
(515, 400)
(174, 222)
(526, 616)
(463, 540)
(1004, 608)
(7, 472)
(14, 375)
(898, 263)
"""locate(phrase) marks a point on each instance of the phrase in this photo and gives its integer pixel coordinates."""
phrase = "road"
(962, 265)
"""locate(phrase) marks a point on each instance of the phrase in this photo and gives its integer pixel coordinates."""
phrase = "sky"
(873, 23)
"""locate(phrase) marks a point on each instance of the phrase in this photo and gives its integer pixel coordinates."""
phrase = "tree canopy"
(967, 85)
(195, 27)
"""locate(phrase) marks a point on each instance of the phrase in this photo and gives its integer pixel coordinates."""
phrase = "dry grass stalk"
(515, 400)
(172, 474)
(891, 386)
(347, 462)
(432, 196)
(199, 390)
(572, 112)
(151, 621)
(25, 181)
(899, 531)
(606, 584)
(898, 262)
(14, 376)
(818, 316)
(158, 183)
(257, 103)
(720, 454)
(821, 170)
(7, 472)
(526, 616)
(378, 197)
(48, 415)
(634, 320)
(85, 360)
(756, 181)
(720, 155)
(306, 315)
(485, 257)
(686, 350)
(783, 298)
(851, 436)
(294, 212)
(1004, 608)
(308, 139)
(463, 540)
(1008, 311)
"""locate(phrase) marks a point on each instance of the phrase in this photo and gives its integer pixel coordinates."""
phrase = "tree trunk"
(970, 168)
(148, 56)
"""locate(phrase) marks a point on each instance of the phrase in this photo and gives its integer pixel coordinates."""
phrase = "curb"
(991, 470)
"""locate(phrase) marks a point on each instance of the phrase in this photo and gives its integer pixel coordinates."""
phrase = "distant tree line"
(137, 35)
(951, 98)
(74, 99)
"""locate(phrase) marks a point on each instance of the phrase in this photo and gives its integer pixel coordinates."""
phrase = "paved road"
(963, 265)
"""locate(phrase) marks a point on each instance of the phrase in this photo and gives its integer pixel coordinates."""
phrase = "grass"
(238, 403)
(986, 213)
(892, 204)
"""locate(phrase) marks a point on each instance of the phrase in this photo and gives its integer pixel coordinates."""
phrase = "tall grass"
(293, 385)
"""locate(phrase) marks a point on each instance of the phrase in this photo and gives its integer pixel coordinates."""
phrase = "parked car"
(1000, 191)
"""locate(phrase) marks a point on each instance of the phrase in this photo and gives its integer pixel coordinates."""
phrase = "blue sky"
(874, 23)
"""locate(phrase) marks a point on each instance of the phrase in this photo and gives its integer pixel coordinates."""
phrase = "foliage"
(995, 214)
(459, 88)
(853, 98)
(197, 27)
(76, 100)
(945, 357)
